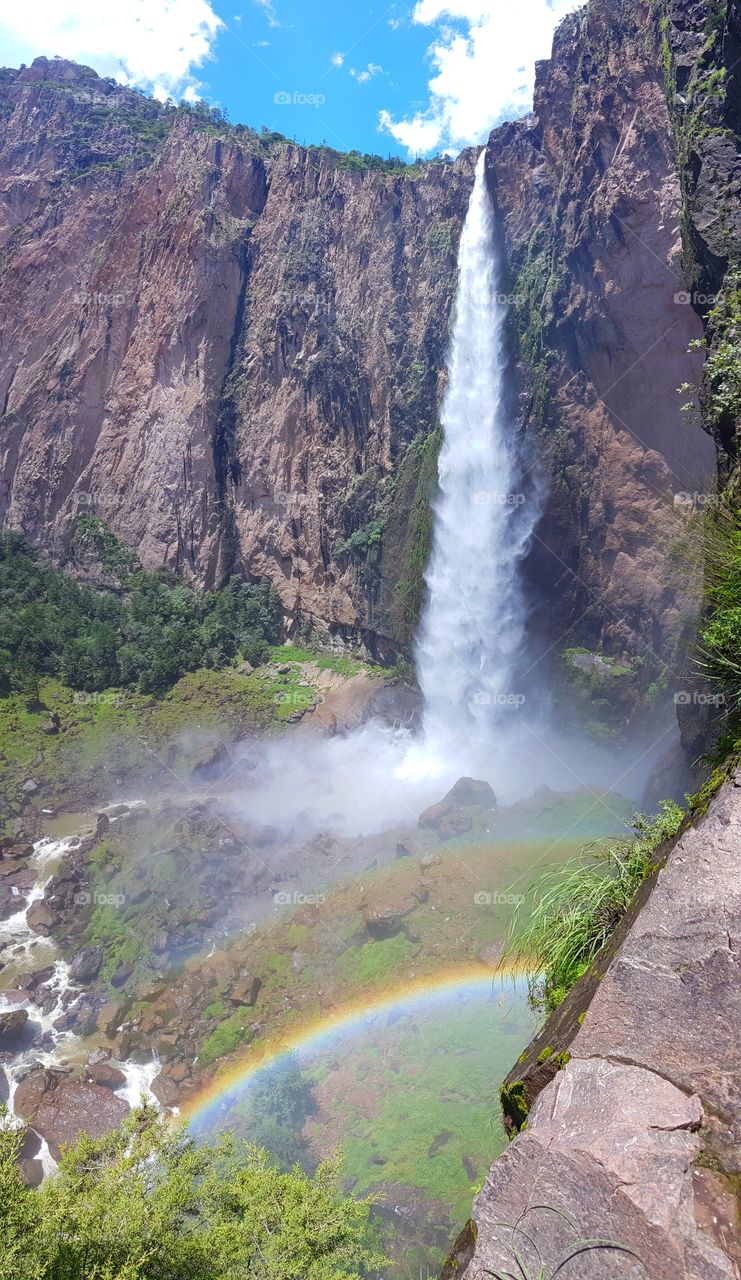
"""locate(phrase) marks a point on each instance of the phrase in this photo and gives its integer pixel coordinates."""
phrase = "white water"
(139, 1077)
(17, 937)
(473, 625)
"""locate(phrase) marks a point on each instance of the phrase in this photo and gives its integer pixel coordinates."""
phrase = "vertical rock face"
(636, 1139)
(231, 348)
(589, 195)
(219, 346)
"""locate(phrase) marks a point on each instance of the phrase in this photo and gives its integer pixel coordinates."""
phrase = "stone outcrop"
(221, 344)
(448, 818)
(589, 198)
(637, 1138)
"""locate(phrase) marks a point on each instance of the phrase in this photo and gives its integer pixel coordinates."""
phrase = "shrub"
(148, 1203)
(574, 908)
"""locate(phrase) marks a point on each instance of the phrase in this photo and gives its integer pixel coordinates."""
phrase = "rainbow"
(412, 995)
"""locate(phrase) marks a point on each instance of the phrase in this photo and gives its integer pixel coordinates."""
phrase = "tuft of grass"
(523, 1247)
(572, 910)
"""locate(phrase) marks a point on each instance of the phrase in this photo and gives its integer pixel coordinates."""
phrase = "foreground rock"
(59, 1109)
(638, 1137)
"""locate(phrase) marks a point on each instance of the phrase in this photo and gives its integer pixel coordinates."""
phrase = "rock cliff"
(218, 342)
(231, 348)
(636, 1137)
(589, 194)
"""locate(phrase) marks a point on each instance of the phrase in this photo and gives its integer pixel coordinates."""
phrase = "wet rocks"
(110, 1017)
(12, 1026)
(168, 1086)
(75, 1106)
(42, 918)
(103, 1074)
(448, 818)
(86, 964)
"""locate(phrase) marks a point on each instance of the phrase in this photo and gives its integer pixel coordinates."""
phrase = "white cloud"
(362, 77)
(483, 68)
(156, 45)
(269, 11)
(337, 59)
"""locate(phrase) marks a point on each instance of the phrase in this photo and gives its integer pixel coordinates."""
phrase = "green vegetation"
(363, 162)
(230, 1033)
(94, 640)
(718, 550)
(274, 1111)
(573, 909)
(514, 1104)
(414, 494)
(147, 1203)
(363, 541)
(375, 961)
(535, 281)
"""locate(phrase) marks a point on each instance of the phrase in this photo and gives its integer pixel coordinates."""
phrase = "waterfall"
(472, 628)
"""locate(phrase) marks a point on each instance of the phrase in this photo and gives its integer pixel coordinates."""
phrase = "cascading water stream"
(472, 627)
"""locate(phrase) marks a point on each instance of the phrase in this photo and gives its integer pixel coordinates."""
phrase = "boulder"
(74, 1107)
(384, 920)
(110, 1017)
(12, 1026)
(86, 964)
(42, 918)
(245, 990)
(32, 1170)
(446, 817)
(104, 1074)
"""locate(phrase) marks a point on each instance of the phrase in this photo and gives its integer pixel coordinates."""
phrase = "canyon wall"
(219, 343)
(589, 195)
(231, 348)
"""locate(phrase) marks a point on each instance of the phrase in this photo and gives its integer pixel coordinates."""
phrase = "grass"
(525, 1254)
(230, 1033)
(374, 961)
(338, 663)
(572, 910)
(432, 1077)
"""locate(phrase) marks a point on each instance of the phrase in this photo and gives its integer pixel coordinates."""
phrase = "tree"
(148, 1203)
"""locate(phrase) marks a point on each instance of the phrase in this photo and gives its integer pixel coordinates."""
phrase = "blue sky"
(417, 78)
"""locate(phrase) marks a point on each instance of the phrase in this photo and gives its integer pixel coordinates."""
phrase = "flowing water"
(472, 628)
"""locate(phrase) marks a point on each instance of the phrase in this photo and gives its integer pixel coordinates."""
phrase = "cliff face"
(588, 189)
(220, 345)
(231, 349)
(636, 1137)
